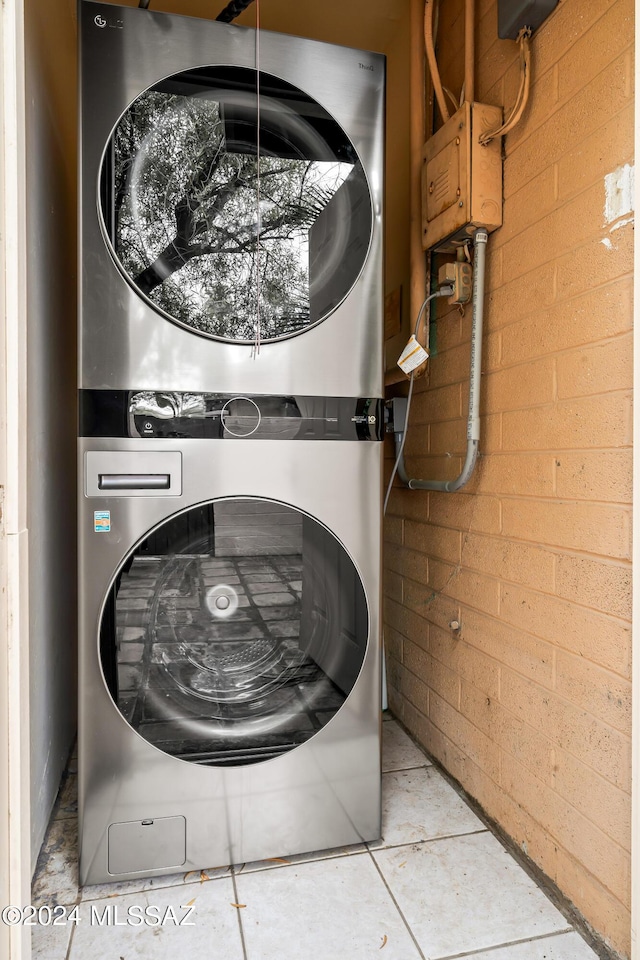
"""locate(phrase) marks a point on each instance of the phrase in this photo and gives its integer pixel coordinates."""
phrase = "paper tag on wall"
(412, 356)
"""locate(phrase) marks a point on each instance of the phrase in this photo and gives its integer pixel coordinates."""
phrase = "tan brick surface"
(468, 662)
(586, 163)
(465, 512)
(593, 527)
(599, 692)
(393, 585)
(480, 749)
(528, 704)
(443, 680)
(594, 796)
(547, 239)
(595, 49)
(582, 839)
(564, 623)
(440, 542)
(591, 108)
(605, 262)
(523, 297)
(603, 421)
(524, 385)
(528, 655)
(582, 735)
(595, 475)
(600, 368)
(593, 899)
(596, 583)
(515, 474)
(591, 316)
(510, 560)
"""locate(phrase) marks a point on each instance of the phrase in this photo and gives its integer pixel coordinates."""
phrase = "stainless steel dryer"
(229, 628)
(231, 198)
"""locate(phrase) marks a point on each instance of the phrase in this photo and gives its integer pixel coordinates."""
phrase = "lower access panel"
(147, 844)
(230, 652)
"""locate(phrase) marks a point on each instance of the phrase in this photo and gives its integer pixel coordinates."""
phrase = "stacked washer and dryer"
(230, 443)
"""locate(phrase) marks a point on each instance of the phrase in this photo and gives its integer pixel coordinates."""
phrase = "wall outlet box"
(461, 178)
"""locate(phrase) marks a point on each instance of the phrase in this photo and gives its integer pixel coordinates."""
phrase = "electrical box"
(461, 178)
(513, 15)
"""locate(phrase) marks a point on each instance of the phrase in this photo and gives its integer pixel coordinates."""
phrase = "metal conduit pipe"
(473, 419)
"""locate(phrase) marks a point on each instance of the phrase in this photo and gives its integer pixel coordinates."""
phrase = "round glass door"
(234, 632)
(235, 204)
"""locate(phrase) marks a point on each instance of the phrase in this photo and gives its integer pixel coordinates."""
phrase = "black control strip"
(167, 414)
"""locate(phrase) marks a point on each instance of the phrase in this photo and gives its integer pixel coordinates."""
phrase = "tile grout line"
(419, 843)
(397, 906)
(507, 943)
(238, 911)
(418, 766)
(78, 904)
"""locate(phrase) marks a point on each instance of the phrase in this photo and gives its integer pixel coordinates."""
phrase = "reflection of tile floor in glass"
(438, 885)
(186, 665)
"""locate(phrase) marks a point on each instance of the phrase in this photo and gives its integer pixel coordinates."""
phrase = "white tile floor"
(438, 885)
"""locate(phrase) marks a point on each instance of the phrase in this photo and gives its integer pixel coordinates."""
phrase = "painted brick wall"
(529, 705)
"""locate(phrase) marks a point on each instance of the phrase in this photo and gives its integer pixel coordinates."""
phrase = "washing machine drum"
(235, 204)
(234, 632)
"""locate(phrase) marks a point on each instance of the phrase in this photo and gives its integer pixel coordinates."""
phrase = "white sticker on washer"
(102, 521)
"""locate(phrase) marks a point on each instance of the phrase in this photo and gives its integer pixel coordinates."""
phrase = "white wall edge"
(15, 873)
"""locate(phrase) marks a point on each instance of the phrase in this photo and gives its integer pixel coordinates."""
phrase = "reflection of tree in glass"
(187, 219)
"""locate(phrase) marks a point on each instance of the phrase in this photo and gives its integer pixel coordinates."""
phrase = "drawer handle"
(134, 481)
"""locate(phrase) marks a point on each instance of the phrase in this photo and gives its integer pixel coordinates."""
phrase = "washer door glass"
(234, 632)
(235, 204)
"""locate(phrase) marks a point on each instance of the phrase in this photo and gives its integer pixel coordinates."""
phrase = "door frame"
(15, 800)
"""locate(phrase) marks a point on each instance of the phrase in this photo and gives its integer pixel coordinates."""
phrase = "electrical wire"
(233, 10)
(524, 41)
(442, 292)
(431, 59)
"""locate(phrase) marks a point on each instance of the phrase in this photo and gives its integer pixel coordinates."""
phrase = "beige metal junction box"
(461, 178)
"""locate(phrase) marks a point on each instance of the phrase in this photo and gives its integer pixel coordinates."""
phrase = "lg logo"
(100, 21)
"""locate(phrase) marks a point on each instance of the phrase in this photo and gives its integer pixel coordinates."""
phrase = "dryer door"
(235, 205)
(234, 632)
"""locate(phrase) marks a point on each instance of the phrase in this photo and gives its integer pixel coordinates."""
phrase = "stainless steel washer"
(230, 231)
(229, 628)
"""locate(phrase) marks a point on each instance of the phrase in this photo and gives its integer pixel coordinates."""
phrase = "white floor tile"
(326, 910)
(214, 933)
(49, 942)
(55, 879)
(99, 891)
(420, 805)
(565, 946)
(399, 752)
(466, 893)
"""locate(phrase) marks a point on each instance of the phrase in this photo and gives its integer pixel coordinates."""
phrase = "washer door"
(234, 632)
(235, 204)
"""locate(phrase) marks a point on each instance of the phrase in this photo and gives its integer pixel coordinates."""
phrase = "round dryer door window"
(235, 204)
(234, 632)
